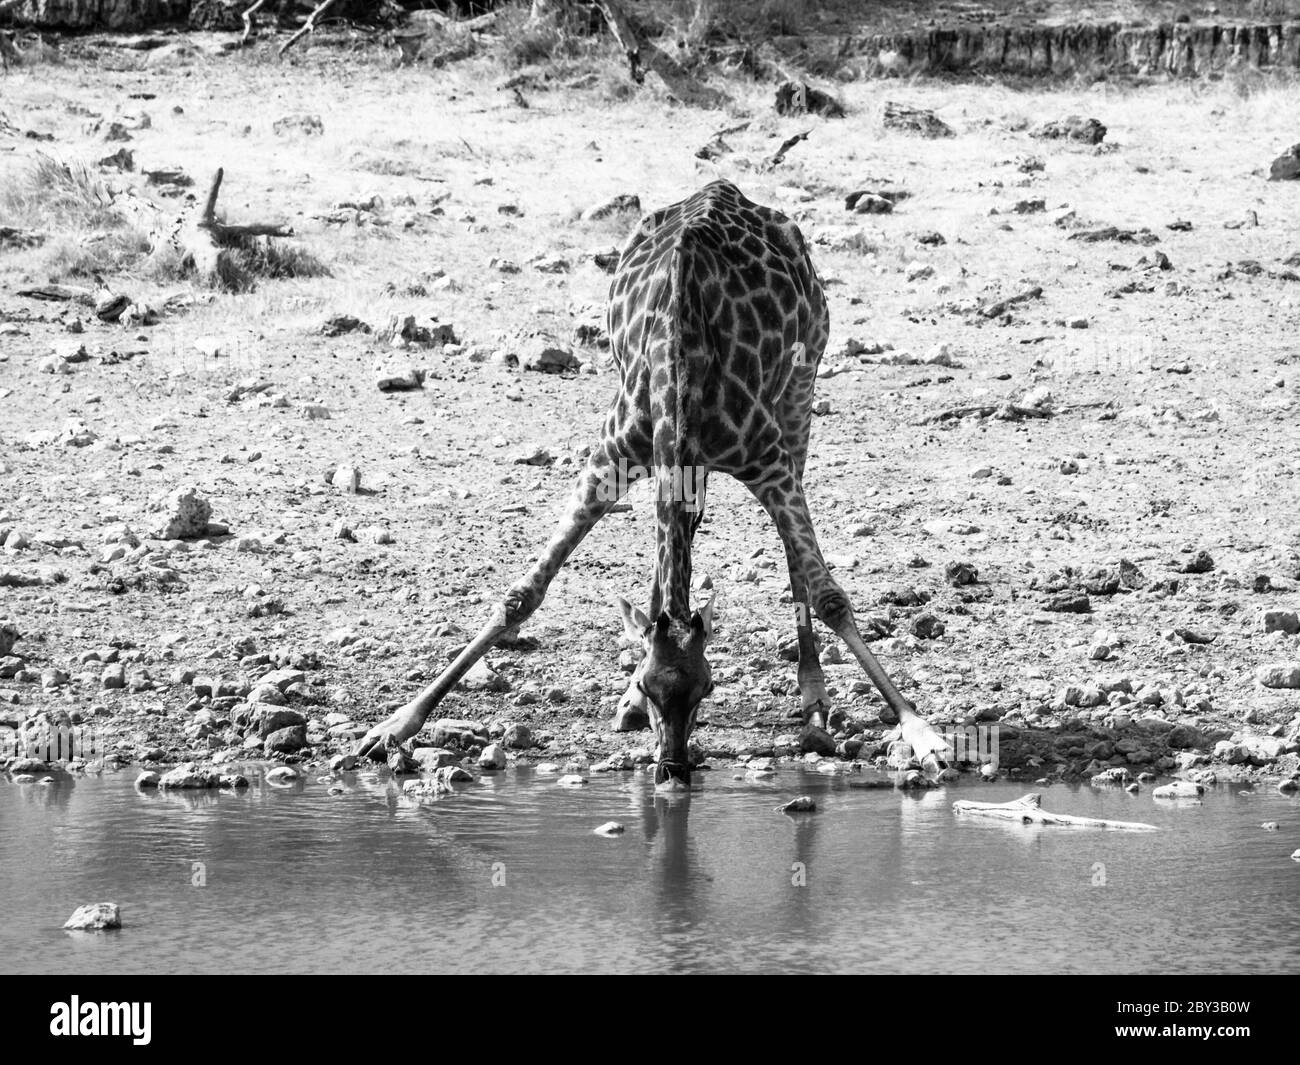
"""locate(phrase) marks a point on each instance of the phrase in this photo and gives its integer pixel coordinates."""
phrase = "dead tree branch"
(249, 12)
(307, 26)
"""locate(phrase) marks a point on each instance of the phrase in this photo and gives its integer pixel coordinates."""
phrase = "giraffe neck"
(674, 519)
(674, 408)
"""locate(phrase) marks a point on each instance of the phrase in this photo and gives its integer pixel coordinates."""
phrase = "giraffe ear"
(635, 622)
(703, 619)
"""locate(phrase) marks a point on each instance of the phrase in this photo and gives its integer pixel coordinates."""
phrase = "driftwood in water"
(1027, 810)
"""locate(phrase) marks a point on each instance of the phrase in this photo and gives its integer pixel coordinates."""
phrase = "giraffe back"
(711, 301)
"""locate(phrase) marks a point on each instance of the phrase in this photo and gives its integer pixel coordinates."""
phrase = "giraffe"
(717, 323)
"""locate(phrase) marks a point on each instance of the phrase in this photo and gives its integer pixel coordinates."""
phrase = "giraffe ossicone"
(717, 323)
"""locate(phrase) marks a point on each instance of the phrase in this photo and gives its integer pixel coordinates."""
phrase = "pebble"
(95, 916)
(346, 478)
(282, 775)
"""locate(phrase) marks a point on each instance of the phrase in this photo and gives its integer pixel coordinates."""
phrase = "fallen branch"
(789, 143)
(203, 240)
(997, 310)
(1027, 810)
(307, 26)
(1009, 412)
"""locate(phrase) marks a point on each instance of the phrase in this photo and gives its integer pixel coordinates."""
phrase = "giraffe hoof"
(815, 740)
(398, 728)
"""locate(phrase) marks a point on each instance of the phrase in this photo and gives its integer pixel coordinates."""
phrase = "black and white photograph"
(651, 487)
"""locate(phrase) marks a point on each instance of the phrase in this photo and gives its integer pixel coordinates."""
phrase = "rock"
(545, 354)
(282, 776)
(185, 515)
(408, 379)
(267, 694)
(188, 775)
(286, 740)
(298, 124)
(906, 119)
(283, 678)
(1286, 167)
(1287, 621)
(482, 678)
(95, 916)
(799, 98)
(340, 324)
(960, 573)
(1201, 562)
(623, 203)
(517, 737)
(453, 774)
(274, 719)
(610, 828)
(113, 676)
(1264, 750)
(571, 780)
(1270, 826)
(813, 740)
(402, 330)
(1232, 753)
(1182, 737)
(1114, 775)
(344, 763)
(1068, 603)
(926, 626)
(493, 757)
(870, 203)
(147, 779)
(1074, 128)
(449, 731)
(347, 478)
(1279, 675)
(1179, 789)
(430, 759)
(802, 804)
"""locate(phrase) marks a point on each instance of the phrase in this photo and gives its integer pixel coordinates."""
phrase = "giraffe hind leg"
(598, 488)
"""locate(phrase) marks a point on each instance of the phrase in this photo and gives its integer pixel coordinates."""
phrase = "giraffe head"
(674, 677)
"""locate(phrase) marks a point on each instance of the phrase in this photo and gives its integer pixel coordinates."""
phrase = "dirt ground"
(1168, 399)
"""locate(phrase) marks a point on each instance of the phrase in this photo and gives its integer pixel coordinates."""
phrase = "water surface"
(507, 875)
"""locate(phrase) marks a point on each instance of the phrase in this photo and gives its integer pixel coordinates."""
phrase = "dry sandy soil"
(1174, 424)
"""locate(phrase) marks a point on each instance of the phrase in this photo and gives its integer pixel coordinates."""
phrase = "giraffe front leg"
(817, 711)
(599, 486)
(789, 510)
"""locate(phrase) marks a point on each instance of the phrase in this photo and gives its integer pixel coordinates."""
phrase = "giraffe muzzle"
(672, 775)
